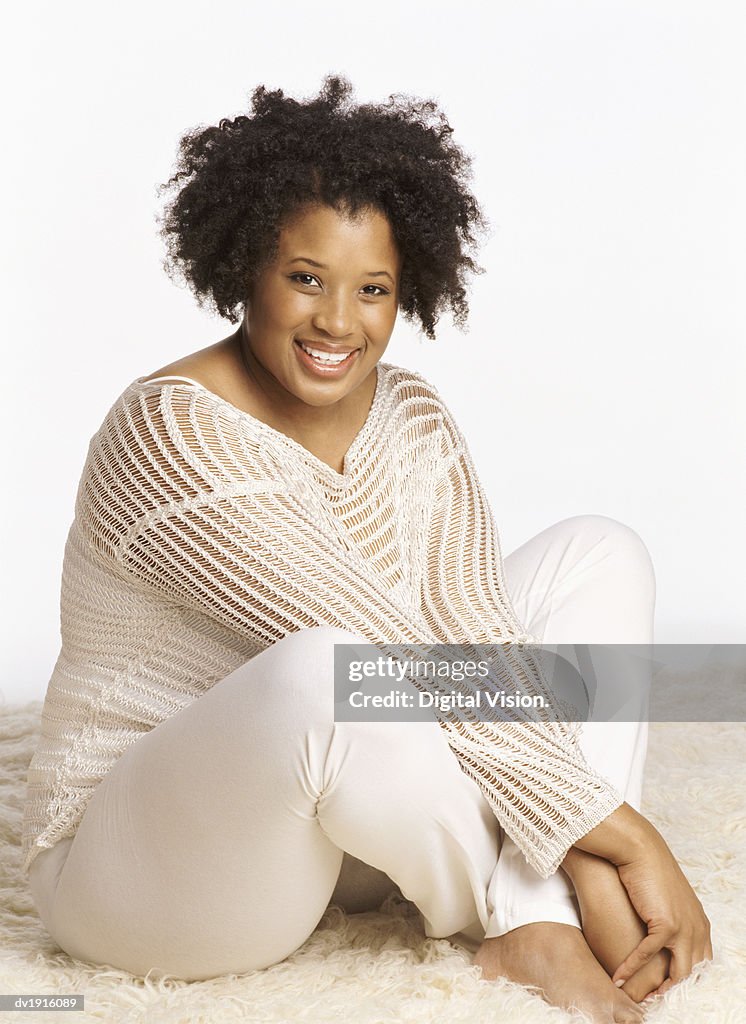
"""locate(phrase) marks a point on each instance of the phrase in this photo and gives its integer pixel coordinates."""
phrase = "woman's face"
(333, 288)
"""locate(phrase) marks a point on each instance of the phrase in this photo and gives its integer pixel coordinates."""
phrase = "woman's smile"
(325, 362)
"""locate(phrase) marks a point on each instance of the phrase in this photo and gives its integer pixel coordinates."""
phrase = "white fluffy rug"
(379, 967)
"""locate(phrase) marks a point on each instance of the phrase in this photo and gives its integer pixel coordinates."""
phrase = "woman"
(242, 510)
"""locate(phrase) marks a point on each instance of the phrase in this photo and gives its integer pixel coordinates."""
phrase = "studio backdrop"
(602, 371)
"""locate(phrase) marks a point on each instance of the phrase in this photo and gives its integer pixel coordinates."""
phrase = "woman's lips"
(322, 368)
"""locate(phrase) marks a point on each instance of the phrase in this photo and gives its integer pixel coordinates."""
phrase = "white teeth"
(324, 357)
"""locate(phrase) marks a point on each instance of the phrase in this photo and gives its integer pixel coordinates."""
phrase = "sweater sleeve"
(534, 774)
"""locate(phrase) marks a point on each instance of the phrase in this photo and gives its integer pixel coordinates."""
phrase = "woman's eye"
(308, 280)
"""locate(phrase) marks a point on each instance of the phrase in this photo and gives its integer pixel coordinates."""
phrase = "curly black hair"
(236, 184)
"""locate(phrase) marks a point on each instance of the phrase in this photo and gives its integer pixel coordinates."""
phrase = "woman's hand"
(666, 902)
(659, 892)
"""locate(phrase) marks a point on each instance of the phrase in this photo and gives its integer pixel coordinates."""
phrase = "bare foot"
(556, 958)
(611, 926)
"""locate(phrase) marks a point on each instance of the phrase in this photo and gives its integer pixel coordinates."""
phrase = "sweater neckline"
(176, 380)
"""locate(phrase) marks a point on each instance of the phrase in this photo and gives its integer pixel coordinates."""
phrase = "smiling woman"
(192, 805)
(310, 340)
(341, 217)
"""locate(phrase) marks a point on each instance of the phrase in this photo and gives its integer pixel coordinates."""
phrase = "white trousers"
(216, 842)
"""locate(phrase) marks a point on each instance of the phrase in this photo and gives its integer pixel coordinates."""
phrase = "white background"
(603, 371)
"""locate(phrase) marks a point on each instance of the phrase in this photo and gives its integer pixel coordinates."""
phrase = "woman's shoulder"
(187, 395)
(182, 421)
(410, 384)
(420, 399)
(214, 368)
(420, 411)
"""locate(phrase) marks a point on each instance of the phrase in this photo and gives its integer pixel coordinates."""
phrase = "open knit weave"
(202, 535)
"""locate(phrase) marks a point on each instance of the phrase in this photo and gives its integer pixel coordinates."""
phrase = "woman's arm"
(465, 600)
(465, 597)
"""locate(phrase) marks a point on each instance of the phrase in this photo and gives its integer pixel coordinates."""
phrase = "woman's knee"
(313, 649)
(623, 542)
(304, 674)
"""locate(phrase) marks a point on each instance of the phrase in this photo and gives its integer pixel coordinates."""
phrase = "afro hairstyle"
(236, 184)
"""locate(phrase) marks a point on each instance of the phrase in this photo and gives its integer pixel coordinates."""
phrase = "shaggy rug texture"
(372, 968)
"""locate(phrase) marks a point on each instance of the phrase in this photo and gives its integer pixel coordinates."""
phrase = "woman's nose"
(334, 316)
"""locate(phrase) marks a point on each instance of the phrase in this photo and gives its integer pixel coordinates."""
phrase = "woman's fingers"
(695, 948)
(682, 961)
(649, 978)
(640, 955)
(706, 955)
(683, 958)
(661, 991)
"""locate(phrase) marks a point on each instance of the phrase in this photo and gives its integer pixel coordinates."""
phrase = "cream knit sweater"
(202, 535)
